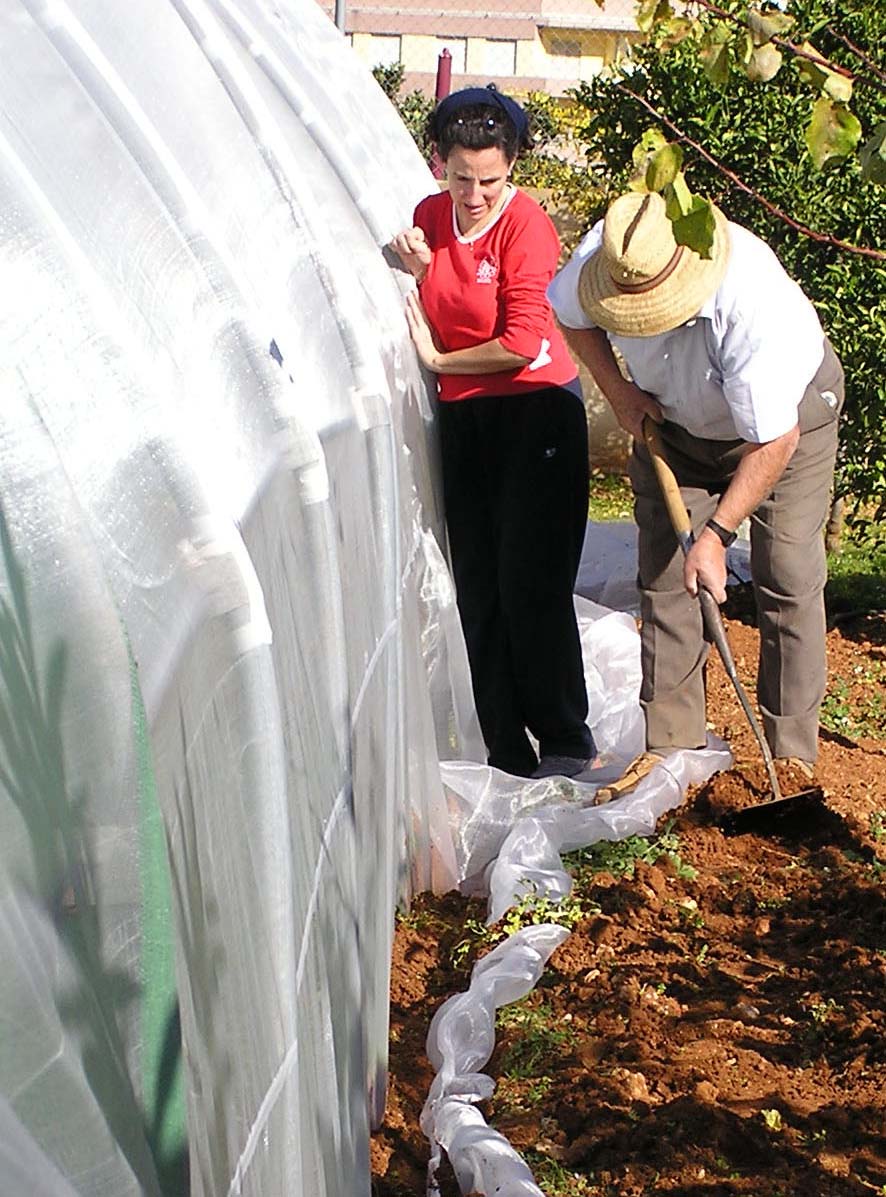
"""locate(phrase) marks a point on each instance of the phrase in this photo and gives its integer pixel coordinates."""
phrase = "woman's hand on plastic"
(421, 332)
(412, 249)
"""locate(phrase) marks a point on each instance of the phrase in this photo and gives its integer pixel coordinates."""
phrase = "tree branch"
(824, 238)
(879, 76)
(859, 53)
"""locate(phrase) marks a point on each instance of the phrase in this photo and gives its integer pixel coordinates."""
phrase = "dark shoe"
(562, 766)
(630, 779)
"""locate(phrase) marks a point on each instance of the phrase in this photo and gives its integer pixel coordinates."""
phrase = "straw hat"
(640, 282)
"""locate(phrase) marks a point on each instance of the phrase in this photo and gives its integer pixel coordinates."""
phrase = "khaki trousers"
(788, 569)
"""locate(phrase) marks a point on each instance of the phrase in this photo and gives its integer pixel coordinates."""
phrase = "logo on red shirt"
(487, 269)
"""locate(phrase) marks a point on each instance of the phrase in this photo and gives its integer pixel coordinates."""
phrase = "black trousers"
(515, 482)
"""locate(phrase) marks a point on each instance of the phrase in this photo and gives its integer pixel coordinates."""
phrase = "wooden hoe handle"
(713, 621)
(670, 490)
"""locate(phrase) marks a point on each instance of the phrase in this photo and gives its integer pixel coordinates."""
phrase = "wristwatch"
(725, 537)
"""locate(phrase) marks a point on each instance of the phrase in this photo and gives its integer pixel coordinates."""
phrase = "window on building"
(500, 57)
(563, 58)
(383, 49)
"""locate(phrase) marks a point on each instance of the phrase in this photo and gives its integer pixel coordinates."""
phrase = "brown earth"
(718, 1034)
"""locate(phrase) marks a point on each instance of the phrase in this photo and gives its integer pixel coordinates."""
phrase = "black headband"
(489, 95)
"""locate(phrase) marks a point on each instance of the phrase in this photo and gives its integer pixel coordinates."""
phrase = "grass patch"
(620, 857)
(610, 497)
(842, 711)
(857, 573)
(540, 1037)
(536, 1038)
(557, 1180)
(533, 909)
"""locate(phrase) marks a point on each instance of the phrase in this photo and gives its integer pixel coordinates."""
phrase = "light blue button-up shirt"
(737, 369)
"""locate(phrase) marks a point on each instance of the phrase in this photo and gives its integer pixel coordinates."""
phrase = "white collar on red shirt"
(468, 238)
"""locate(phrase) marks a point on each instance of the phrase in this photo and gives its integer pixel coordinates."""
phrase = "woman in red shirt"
(513, 434)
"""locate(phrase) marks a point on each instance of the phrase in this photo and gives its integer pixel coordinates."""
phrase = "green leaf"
(765, 26)
(650, 143)
(678, 198)
(645, 15)
(714, 54)
(696, 229)
(765, 63)
(833, 133)
(873, 155)
(663, 168)
(650, 12)
(744, 49)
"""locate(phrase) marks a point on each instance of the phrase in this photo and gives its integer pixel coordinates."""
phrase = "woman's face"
(477, 179)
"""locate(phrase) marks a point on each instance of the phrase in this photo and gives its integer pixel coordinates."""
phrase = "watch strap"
(725, 537)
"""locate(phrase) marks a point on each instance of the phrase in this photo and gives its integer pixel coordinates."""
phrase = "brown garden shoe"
(630, 779)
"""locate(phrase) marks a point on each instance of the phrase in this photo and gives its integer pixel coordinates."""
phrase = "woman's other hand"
(421, 331)
(412, 249)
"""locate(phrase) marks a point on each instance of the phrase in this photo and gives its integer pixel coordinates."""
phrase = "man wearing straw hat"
(727, 355)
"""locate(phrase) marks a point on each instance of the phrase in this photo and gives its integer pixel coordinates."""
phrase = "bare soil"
(721, 1034)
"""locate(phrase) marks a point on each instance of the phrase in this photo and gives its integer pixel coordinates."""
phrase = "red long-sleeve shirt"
(492, 285)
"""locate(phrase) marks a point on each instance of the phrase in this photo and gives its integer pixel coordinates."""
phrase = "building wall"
(550, 45)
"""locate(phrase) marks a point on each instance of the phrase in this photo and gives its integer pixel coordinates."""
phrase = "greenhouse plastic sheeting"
(230, 653)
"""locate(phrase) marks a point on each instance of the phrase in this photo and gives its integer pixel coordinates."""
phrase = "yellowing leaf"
(696, 228)
(650, 12)
(833, 133)
(765, 64)
(765, 26)
(663, 167)
(811, 71)
(838, 87)
(773, 1119)
(873, 155)
(675, 31)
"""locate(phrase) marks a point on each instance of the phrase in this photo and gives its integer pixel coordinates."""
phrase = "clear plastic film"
(230, 651)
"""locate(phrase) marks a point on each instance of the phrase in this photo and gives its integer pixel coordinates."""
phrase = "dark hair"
(476, 119)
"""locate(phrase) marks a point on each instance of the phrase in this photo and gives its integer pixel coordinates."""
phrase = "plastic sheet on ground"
(510, 835)
(607, 573)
